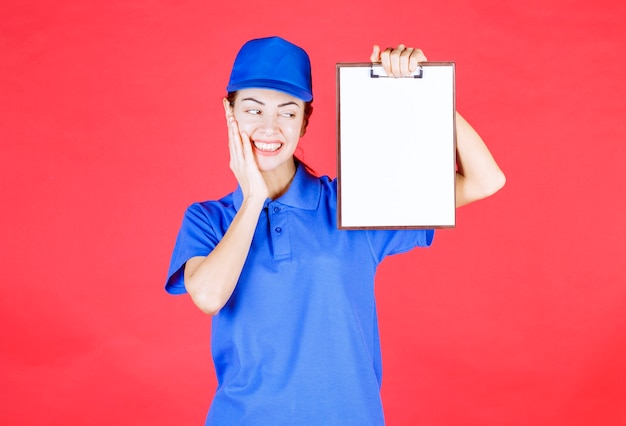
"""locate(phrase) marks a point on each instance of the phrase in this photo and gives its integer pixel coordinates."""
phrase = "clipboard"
(396, 147)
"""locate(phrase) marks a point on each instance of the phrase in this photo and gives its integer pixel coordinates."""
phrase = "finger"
(405, 56)
(230, 119)
(416, 57)
(375, 56)
(246, 146)
(394, 58)
(413, 62)
(235, 139)
(419, 55)
(252, 168)
(232, 150)
(386, 60)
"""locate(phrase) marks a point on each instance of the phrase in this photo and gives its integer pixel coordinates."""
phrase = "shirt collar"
(303, 193)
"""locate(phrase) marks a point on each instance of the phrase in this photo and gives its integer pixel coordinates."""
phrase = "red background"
(111, 124)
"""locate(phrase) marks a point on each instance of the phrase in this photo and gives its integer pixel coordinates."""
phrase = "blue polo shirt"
(297, 343)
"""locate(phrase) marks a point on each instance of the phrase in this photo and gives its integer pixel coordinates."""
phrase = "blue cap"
(272, 63)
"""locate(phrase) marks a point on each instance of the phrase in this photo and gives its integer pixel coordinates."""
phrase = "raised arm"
(478, 175)
(211, 280)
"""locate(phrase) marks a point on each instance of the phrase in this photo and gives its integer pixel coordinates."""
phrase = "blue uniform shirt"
(297, 343)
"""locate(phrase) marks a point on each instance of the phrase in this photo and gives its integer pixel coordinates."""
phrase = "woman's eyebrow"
(262, 103)
(289, 103)
(253, 100)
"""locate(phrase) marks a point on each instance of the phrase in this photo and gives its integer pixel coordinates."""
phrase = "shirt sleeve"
(388, 242)
(197, 237)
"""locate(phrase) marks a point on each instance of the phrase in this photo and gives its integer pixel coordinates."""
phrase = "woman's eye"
(254, 111)
(288, 114)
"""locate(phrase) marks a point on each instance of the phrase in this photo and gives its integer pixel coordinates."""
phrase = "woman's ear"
(227, 108)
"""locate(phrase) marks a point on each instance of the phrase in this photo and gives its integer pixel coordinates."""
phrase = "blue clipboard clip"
(377, 71)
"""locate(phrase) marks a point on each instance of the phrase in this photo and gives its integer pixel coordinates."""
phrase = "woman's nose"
(270, 125)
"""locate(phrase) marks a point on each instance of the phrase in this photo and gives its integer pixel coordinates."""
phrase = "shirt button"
(276, 209)
(278, 229)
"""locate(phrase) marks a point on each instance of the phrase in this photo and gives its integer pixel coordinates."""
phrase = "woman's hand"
(211, 280)
(478, 175)
(398, 62)
(242, 161)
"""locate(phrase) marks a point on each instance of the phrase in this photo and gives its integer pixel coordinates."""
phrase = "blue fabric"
(272, 63)
(297, 343)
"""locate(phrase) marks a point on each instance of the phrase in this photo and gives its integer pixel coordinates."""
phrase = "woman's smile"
(267, 147)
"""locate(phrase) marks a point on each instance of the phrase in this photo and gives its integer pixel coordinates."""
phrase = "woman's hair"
(308, 109)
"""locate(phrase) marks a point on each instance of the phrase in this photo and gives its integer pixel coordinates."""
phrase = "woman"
(294, 334)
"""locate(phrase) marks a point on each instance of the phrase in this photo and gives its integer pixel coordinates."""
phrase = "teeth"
(267, 146)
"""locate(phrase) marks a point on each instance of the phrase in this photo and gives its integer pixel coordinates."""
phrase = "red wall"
(111, 124)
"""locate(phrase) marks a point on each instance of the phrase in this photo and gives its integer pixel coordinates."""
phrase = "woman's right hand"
(211, 280)
(242, 160)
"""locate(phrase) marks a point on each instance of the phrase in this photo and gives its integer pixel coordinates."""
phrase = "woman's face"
(273, 120)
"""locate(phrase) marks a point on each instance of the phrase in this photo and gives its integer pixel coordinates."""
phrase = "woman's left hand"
(398, 62)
